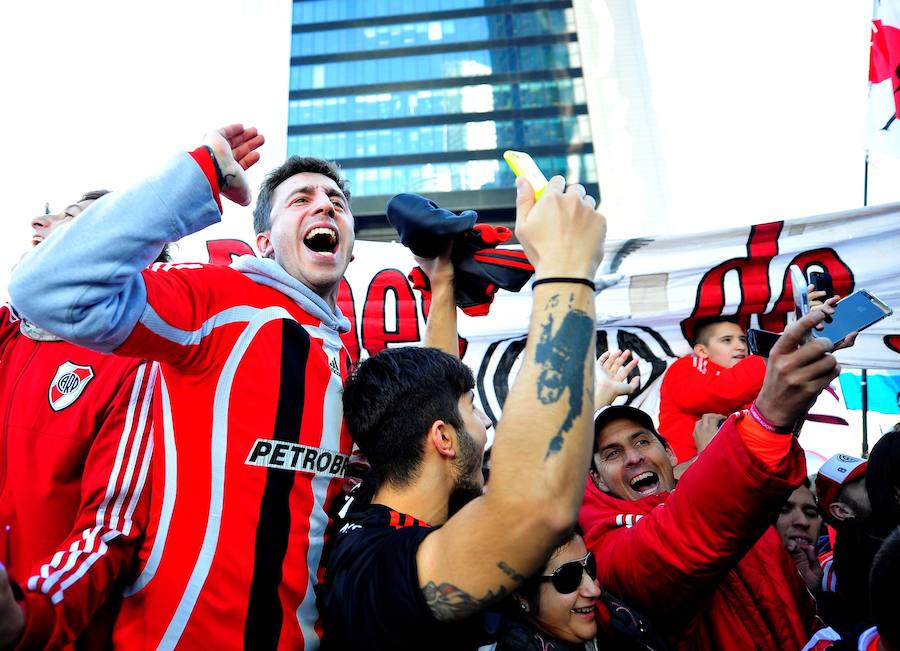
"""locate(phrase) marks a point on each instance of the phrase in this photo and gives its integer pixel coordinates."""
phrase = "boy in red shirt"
(719, 377)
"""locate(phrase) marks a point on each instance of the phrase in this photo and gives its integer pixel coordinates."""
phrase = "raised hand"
(797, 372)
(705, 430)
(807, 562)
(235, 150)
(439, 270)
(815, 296)
(562, 234)
(611, 373)
(815, 304)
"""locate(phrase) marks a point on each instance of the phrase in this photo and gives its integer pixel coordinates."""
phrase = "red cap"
(834, 474)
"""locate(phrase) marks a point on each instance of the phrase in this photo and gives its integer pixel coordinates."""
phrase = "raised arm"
(611, 377)
(543, 443)
(731, 494)
(100, 298)
(440, 327)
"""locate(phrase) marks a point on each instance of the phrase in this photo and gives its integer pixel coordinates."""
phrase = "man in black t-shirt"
(416, 567)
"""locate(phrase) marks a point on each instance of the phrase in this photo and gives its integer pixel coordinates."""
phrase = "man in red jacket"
(75, 430)
(719, 377)
(704, 561)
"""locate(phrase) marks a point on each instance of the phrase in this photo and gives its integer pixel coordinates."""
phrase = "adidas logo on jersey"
(333, 363)
(298, 458)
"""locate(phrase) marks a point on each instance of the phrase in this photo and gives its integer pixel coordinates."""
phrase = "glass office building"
(425, 95)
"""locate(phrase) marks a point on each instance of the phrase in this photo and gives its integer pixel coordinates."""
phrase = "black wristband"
(564, 279)
(220, 178)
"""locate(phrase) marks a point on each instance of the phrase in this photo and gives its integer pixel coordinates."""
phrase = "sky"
(761, 106)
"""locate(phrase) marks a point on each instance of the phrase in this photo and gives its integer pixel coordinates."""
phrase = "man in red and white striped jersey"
(75, 431)
(249, 443)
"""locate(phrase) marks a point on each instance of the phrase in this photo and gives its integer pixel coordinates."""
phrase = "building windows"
(457, 30)
(553, 56)
(423, 95)
(480, 98)
(323, 11)
(471, 175)
(430, 138)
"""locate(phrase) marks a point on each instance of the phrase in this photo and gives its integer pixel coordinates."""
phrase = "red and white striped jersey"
(829, 578)
(75, 435)
(250, 449)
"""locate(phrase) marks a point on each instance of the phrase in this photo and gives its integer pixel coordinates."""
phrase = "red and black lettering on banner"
(753, 274)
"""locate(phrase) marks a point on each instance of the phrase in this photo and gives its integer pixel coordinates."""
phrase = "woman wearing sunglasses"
(556, 610)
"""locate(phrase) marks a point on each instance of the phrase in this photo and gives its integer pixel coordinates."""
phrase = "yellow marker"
(523, 165)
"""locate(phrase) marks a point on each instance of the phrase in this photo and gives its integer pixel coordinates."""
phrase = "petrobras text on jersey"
(298, 458)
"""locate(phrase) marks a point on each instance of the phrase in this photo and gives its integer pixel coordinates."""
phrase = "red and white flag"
(884, 80)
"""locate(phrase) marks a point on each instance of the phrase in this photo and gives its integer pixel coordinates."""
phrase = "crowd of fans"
(184, 482)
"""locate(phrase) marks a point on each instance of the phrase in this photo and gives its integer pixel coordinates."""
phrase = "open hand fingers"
(242, 136)
(245, 153)
(230, 131)
(626, 370)
(620, 358)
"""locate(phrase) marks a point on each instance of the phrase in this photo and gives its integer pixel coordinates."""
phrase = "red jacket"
(693, 386)
(75, 431)
(704, 562)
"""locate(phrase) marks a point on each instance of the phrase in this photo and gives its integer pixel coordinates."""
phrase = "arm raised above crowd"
(84, 284)
(440, 329)
(726, 500)
(543, 443)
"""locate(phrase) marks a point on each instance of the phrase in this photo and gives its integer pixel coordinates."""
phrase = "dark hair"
(659, 437)
(884, 588)
(165, 255)
(857, 541)
(883, 483)
(530, 590)
(392, 399)
(293, 165)
(93, 195)
(702, 326)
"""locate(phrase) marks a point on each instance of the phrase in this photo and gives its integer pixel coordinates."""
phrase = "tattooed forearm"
(510, 572)
(449, 603)
(562, 356)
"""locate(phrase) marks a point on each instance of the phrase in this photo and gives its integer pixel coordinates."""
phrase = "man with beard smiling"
(406, 571)
(703, 560)
(249, 449)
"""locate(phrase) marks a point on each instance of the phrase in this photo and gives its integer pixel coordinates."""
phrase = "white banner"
(664, 280)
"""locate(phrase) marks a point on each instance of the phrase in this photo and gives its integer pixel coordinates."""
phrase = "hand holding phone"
(853, 313)
(523, 165)
(822, 282)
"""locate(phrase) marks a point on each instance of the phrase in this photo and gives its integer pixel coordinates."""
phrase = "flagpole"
(864, 380)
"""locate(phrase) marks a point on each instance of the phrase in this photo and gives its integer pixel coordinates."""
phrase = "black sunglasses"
(567, 577)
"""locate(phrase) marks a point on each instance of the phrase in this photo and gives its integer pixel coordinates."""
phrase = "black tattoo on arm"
(510, 572)
(448, 603)
(555, 353)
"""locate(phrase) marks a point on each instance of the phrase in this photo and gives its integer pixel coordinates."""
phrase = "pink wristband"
(766, 423)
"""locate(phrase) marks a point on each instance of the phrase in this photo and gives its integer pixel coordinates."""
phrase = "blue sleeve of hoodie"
(84, 283)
